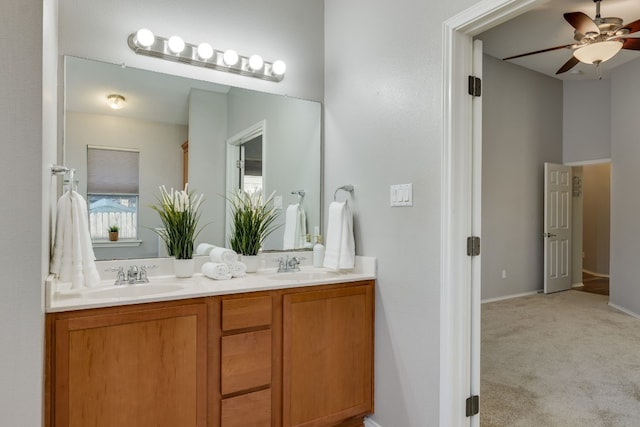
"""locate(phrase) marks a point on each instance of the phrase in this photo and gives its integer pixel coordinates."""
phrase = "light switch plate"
(401, 195)
(277, 202)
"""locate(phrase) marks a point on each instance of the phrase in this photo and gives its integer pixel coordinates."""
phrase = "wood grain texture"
(327, 356)
(132, 369)
(247, 312)
(247, 410)
(245, 361)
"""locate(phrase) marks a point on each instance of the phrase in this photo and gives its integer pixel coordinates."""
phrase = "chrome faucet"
(133, 275)
(286, 264)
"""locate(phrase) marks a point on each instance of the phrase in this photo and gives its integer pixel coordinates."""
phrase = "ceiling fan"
(597, 40)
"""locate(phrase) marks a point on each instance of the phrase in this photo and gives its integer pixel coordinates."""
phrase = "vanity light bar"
(175, 49)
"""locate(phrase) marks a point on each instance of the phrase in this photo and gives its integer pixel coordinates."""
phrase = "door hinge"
(473, 406)
(240, 164)
(475, 86)
(473, 245)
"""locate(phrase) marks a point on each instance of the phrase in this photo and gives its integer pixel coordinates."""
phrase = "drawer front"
(243, 313)
(252, 409)
(245, 361)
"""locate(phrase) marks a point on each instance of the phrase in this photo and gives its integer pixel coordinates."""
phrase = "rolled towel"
(204, 249)
(216, 270)
(238, 269)
(225, 255)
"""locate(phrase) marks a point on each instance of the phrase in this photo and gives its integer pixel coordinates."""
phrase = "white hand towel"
(216, 270)
(73, 259)
(204, 249)
(225, 255)
(295, 227)
(238, 269)
(340, 247)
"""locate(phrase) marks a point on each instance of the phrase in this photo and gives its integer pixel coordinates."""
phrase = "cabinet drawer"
(252, 409)
(243, 313)
(246, 361)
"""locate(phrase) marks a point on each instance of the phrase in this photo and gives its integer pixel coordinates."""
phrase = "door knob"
(549, 235)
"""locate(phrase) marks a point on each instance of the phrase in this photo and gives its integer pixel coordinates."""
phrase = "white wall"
(587, 120)
(625, 175)
(207, 140)
(383, 126)
(276, 29)
(292, 153)
(28, 122)
(160, 163)
(521, 129)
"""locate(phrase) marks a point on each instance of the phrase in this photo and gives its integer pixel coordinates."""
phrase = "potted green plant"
(179, 213)
(252, 220)
(113, 232)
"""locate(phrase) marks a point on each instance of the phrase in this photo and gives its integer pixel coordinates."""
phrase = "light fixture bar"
(189, 55)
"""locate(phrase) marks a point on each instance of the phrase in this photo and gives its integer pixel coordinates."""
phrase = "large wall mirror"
(179, 128)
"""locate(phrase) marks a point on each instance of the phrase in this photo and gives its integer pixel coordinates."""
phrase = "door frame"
(459, 186)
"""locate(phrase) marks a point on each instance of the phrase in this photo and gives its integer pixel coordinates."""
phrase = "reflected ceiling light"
(176, 44)
(143, 42)
(115, 101)
(279, 68)
(230, 57)
(255, 62)
(596, 53)
(205, 51)
(145, 38)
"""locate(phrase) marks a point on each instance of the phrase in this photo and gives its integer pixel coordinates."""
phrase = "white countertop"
(60, 297)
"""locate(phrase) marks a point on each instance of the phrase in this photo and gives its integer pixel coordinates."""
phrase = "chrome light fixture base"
(189, 55)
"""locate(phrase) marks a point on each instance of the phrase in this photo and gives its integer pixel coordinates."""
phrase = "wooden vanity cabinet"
(141, 365)
(328, 356)
(297, 357)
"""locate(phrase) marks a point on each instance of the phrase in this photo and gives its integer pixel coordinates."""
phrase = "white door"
(557, 228)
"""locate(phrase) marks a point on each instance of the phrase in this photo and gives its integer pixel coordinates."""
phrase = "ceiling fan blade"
(631, 44)
(538, 51)
(632, 27)
(581, 22)
(572, 62)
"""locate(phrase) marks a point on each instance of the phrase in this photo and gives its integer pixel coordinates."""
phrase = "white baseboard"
(593, 273)
(577, 285)
(624, 310)
(511, 296)
(368, 422)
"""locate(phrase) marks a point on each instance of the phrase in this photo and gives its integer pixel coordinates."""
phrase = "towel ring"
(348, 188)
(300, 194)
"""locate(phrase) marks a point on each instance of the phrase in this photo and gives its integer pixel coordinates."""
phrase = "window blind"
(112, 171)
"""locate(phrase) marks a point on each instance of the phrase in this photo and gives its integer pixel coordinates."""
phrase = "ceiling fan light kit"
(598, 40)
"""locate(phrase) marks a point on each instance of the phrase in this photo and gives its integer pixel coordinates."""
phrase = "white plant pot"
(183, 267)
(251, 261)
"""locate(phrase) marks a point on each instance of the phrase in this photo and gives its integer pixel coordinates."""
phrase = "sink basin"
(305, 275)
(132, 291)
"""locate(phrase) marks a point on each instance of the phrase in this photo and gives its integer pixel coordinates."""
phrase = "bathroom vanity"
(264, 350)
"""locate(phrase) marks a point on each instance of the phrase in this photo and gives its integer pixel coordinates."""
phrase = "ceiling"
(544, 27)
(149, 95)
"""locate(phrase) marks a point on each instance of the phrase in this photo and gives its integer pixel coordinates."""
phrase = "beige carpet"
(565, 359)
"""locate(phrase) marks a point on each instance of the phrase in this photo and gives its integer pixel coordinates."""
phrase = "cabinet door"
(328, 355)
(132, 368)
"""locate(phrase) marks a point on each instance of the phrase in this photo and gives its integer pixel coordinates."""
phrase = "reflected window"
(112, 191)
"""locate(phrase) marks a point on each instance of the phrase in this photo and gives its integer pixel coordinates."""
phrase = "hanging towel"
(340, 248)
(216, 270)
(73, 259)
(295, 227)
(218, 254)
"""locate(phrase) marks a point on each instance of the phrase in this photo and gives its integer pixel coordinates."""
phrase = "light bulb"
(176, 44)
(145, 38)
(205, 51)
(115, 101)
(279, 67)
(255, 62)
(230, 57)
